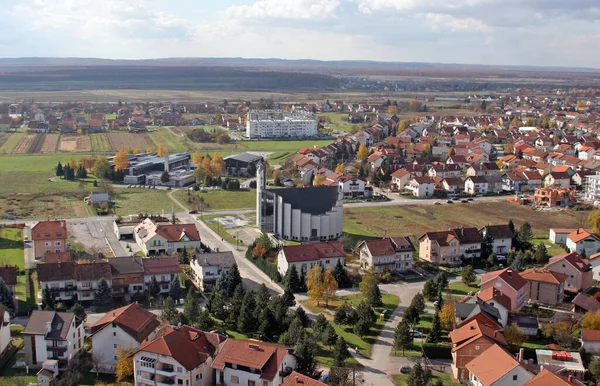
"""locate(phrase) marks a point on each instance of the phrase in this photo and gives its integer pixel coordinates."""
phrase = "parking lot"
(94, 233)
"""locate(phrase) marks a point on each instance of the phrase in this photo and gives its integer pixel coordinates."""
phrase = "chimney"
(48, 327)
(521, 351)
(541, 368)
(570, 379)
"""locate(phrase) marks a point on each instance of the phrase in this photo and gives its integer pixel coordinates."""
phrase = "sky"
(508, 32)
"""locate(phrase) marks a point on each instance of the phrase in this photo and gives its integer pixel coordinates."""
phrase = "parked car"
(437, 203)
(416, 334)
(450, 202)
(465, 201)
(193, 212)
(405, 369)
(470, 199)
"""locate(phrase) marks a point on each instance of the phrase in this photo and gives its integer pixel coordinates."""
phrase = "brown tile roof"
(55, 257)
(187, 345)
(92, 271)
(60, 324)
(88, 271)
(403, 243)
(297, 379)
(499, 231)
(491, 365)
(511, 278)
(581, 234)
(49, 230)
(313, 252)
(586, 302)
(473, 330)
(547, 378)
(381, 247)
(590, 335)
(176, 232)
(254, 354)
(573, 258)
(543, 275)
(495, 295)
(8, 273)
(161, 265)
(133, 319)
(468, 235)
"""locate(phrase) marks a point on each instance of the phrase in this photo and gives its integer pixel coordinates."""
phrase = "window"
(115, 345)
(180, 381)
(515, 377)
(57, 243)
(48, 243)
(251, 383)
(115, 357)
(235, 379)
(114, 333)
(179, 369)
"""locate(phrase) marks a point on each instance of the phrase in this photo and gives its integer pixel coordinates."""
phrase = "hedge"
(437, 351)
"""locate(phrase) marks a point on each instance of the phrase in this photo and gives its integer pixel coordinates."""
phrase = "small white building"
(476, 185)
(4, 330)
(421, 186)
(179, 355)
(125, 327)
(502, 236)
(590, 341)
(52, 335)
(582, 242)
(559, 235)
(400, 178)
(207, 268)
(157, 239)
(164, 269)
(305, 257)
(387, 254)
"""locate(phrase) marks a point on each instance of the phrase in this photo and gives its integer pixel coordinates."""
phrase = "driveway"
(96, 235)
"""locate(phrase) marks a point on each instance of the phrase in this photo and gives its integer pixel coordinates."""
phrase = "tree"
(305, 351)
(268, 327)
(492, 260)
(216, 304)
(330, 286)
(591, 320)
(370, 289)
(593, 220)
(518, 262)
(169, 313)
(6, 298)
(59, 170)
(154, 287)
(302, 317)
(525, 235)
(468, 275)
(435, 334)
(418, 302)
(319, 180)
(175, 289)
(441, 281)
(341, 276)
(79, 312)
(514, 336)
(247, 320)
(235, 279)
(340, 168)
(160, 151)
(330, 336)
(293, 334)
(197, 158)
(487, 246)
(363, 153)
(205, 322)
(258, 251)
(103, 295)
(402, 338)
(340, 353)
(124, 364)
(265, 241)
(191, 309)
(47, 300)
(320, 326)
(447, 316)
(561, 332)
(288, 297)
(121, 161)
(541, 254)
(412, 316)
(164, 177)
(316, 287)
(418, 376)
(430, 289)
(235, 306)
(594, 368)
(340, 315)
(366, 319)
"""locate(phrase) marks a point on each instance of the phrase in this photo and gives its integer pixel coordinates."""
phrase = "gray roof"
(244, 157)
(314, 200)
(523, 321)
(59, 324)
(468, 310)
(215, 259)
(99, 197)
(125, 265)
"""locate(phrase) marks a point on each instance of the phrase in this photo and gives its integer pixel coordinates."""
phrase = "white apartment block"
(592, 188)
(280, 124)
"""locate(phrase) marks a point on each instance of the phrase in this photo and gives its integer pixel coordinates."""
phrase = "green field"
(215, 226)
(11, 245)
(100, 143)
(220, 199)
(171, 142)
(338, 121)
(10, 144)
(416, 219)
(134, 201)
(460, 288)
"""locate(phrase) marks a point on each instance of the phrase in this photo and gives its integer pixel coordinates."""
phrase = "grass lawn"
(390, 302)
(221, 199)
(552, 249)
(218, 228)
(134, 201)
(460, 288)
(11, 247)
(416, 219)
(400, 379)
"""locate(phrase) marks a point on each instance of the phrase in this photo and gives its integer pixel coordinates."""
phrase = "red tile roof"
(381, 247)
(56, 257)
(547, 378)
(581, 234)
(573, 258)
(49, 230)
(590, 335)
(543, 275)
(474, 330)
(161, 265)
(187, 345)
(313, 252)
(133, 319)
(297, 379)
(511, 278)
(176, 232)
(491, 365)
(254, 354)
(495, 295)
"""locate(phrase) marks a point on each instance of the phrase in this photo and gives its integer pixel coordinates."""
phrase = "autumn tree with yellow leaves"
(447, 316)
(363, 152)
(340, 168)
(121, 160)
(161, 150)
(318, 181)
(124, 363)
(321, 285)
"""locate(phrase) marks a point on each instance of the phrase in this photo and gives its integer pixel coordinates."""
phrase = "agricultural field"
(30, 144)
(416, 219)
(220, 199)
(49, 145)
(172, 143)
(11, 142)
(100, 143)
(134, 201)
(124, 141)
(25, 206)
(75, 144)
(3, 138)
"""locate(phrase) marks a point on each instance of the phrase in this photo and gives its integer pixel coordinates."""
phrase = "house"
(557, 180)
(474, 307)
(127, 326)
(98, 199)
(583, 303)
(157, 239)
(559, 235)
(127, 277)
(509, 283)
(583, 242)
(566, 363)
(207, 268)
(49, 236)
(163, 269)
(176, 356)
(387, 254)
(421, 186)
(4, 330)
(552, 197)
(544, 286)
(297, 379)
(548, 378)
(400, 178)
(305, 257)
(48, 372)
(498, 300)
(502, 237)
(590, 341)
(52, 335)
(251, 362)
(441, 248)
(468, 342)
(528, 325)
(579, 271)
(476, 185)
(495, 367)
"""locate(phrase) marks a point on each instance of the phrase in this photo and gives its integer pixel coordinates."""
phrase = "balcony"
(56, 348)
(165, 370)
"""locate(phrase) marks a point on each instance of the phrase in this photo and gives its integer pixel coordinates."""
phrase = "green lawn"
(171, 142)
(390, 302)
(221, 199)
(134, 201)
(11, 247)
(460, 288)
(552, 249)
(215, 226)
(400, 379)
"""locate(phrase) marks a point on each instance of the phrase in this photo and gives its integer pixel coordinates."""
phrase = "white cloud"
(284, 9)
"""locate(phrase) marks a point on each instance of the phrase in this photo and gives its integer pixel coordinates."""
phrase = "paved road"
(395, 201)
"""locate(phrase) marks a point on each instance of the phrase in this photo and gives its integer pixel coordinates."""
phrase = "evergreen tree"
(268, 326)
(191, 308)
(418, 302)
(440, 301)
(103, 295)
(492, 260)
(183, 256)
(79, 311)
(247, 320)
(216, 305)
(235, 307)
(301, 315)
(288, 297)
(468, 275)
(330, 335)
(519, 262)
(525, 235)
(320, 326)
(402, 338)
(341, 276)
(340, 353)
(294, 333)
(441, 280)
(541, 254)
(435, 333)
(418, 376)
(340, 316)
(411, 315)
(47, 300)
(6, 298)
(511, 226)
(487, 246)
(430, 289)
(59, 170)
(175, 289)
(262, 298)
(169, 313)
(235, 279)
(305, 351)
(154, 287)
(370, 289)
(205, 322)
(293, 280)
